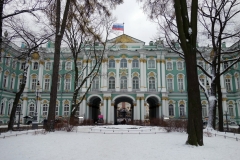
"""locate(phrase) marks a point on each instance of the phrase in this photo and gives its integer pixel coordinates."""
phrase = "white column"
(24, 105)
(40, 73)
(88, 71)
(38, 109)
(129, 75)
(105, 76)
(160, 111)
(142, 108)
(141, 75)
(83, 105)
(145, 74)
(138, 109)
(110, 113)
(117, 75)
(238, 108)
(27, 79)
(159, 75)
(87, 110)
(224, 104)
(163, 75)
(104, 112)
(163, 106)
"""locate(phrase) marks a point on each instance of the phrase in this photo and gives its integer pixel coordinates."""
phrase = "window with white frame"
(135, 63)
(123, 82)
(66, 110)
(180, 84)
(68, 65)
(79, 65)
(236, 65)
(67, 84)
(111, 83)
(111, 63)
(179, 65)
(171, 110)
(35, 65)
(14, 64)
(45, 109)
(151, 63)
(2, 108)
(230, 110)
(31, 109)
(48, 65)
(151, 83)
(12, 83)
(135, 83)
(23, 65)
(169, 84)
(182, 110)
(204, 111)
(10, 107)
(56, 110)
(59, 83)
(225, 65)
(123, 63)
(169, 65)
(19, 109)
(47, 84)
(34, 83)
(5, 81)
(237, 83)
(228, 84)
(8, 61)
(95, 84)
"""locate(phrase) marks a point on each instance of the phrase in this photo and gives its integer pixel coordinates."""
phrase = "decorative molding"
(129, 61)
(123, 46)
(123, 56)
(35, 56)
(182, 102)
(25, 98)
(124, 39)
(164, 98)
(158, 60)
(117, 60)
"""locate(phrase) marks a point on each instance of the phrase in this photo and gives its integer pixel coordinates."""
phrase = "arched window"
(151, 63)
(68, 65)
(45, 109)
(170, 84)
(56, 110)
(48, 66)
(46, 83)
(12, 82)
(111, 84)
(23, 65)
(35, 65)
(182, 110)
(14, 64)
(95, 84)
(151, 83)
(179, 65)
(123, 63)
(31, 109)
(67, 83)
(230, 110)
(123, 82)
(228, 84)
(204, 111)
(135, 63)
(10, 107)
(66, 110)
(171, 110)
(180, 83)
(135, 83)
(2, 108)
(5, 81)
(169, 66)
(111, 63)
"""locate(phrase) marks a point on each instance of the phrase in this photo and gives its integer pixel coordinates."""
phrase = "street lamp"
(35, 121)
(226, 119)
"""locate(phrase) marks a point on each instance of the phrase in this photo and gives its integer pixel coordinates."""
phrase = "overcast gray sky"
(136, 23)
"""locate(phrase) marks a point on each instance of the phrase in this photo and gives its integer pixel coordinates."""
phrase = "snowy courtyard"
(119, 142)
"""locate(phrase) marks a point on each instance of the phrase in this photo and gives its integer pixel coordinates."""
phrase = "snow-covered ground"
(120, 142)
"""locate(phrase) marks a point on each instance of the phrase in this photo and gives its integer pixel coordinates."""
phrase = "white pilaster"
(141, 75)
(145, 74)
(129, 75)
(24, 105)
(27, 79)
(110, 111)
(104, 113)
(83, 105)
(142, 108)
(40, 73)
(117, 75)
(224, 104)
(159, 75)
(163, 74)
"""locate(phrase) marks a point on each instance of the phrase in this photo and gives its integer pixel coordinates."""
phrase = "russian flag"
(118, 26)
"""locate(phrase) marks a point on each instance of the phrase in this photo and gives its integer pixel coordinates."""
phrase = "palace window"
(31, 110)
(67, 84)
(14, 64)
(202, 81)
(48, 65)
(135, 63)
(5, 80)
(151, 83)
(204, 111)
(18, 109)
(8, 61)
(111, 63)
(77, 111)
(34, 83)
(151, 63)
(170, 84)
(135, 83)
(2, 108)
(10, 108)
(228, 84)
(95, 84)
(45, 110)
(123, 82)
(169, 65)
(230, 110)
(123, 63)
(35, 65)
(171, 110)
(180, 84)
(66, 110)
(179, 65)
(59, 82)
(60, 65)
(225, 65)
(182, 110)
(46, 84)
(111, 84)
(68, 66)
(12, 83)
(79, 65)
(79, 82)
(23, 66)
(56, 110)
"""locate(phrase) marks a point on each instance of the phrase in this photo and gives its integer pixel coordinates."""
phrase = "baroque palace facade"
(149, 80)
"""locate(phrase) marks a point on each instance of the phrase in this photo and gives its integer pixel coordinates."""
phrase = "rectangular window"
(170, 84)
(12, 83)
(58, 85)
(47, 84)
(45, 110)
(228, 84)
(180, 84)
(66, 110)
(230, 110)
(14, 63)
(204, 111)
(23, 66)
(34, 83)
(182, 113)
(56, 110)
(151, 64)
(5, 81)
(171, 110)
(67, 84)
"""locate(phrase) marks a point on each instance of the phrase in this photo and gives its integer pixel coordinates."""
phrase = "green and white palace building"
(138, 80)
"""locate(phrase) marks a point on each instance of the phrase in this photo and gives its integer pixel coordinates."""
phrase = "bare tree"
(33, 41)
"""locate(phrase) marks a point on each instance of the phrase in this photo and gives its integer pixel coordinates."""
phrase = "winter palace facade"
(138, 82)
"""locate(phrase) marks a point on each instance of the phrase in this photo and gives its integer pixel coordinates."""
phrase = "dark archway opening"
(153, 108)
(123, 110)
(94, 108)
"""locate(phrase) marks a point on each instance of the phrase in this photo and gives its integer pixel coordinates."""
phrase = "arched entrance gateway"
(153, 107)
(123, 110)
(94, 104)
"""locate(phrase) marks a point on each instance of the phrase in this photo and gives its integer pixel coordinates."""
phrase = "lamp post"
(226, 119)
(35, 117)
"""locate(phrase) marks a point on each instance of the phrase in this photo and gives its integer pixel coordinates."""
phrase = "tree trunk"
(220, 110)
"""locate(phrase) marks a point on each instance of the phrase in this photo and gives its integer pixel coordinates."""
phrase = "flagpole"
(123, 27)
